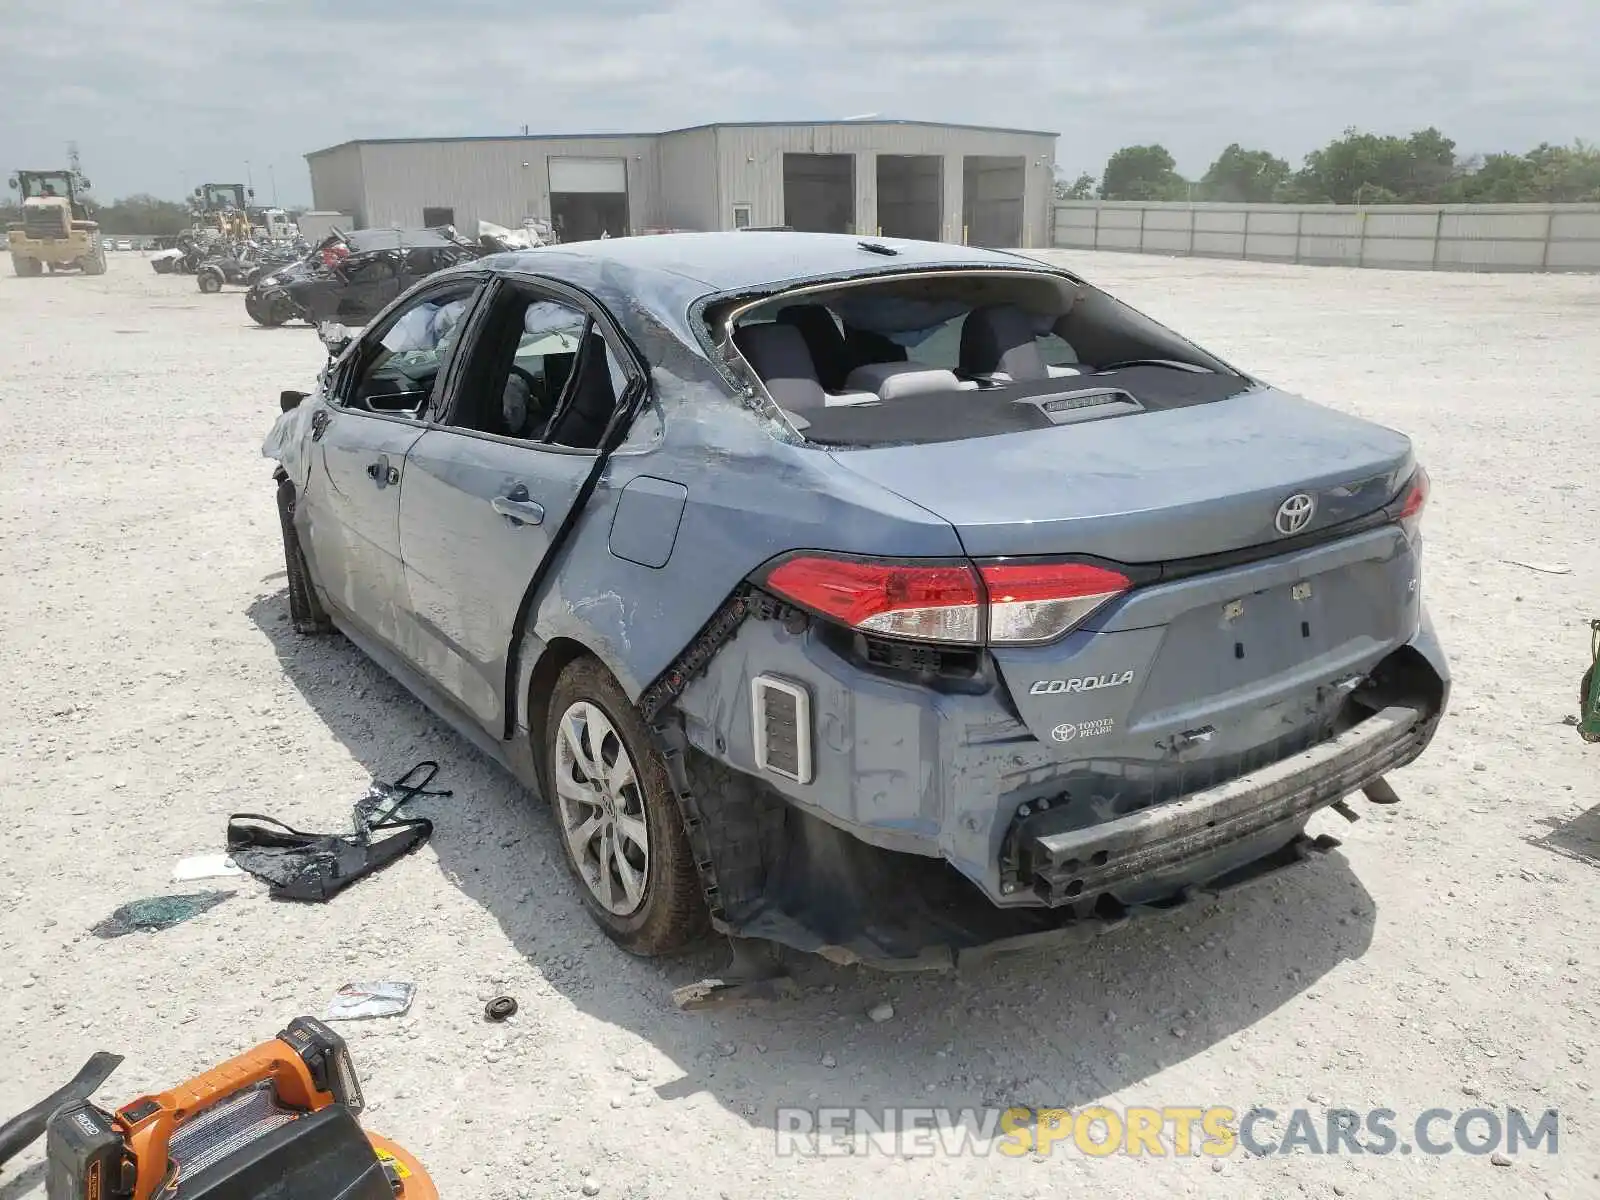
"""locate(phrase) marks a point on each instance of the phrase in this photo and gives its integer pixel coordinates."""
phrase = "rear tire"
(305, 610)
(1583, 704)
(95, 262)
(626, 793)
(26, 268)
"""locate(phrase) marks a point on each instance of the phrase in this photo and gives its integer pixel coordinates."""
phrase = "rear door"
(375, 413)
(489, 486)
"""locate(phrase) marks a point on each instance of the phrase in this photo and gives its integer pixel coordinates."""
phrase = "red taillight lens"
(1039, 602)
(1011, 603)
(1408, 508)
(939, 602)
(1416, 495)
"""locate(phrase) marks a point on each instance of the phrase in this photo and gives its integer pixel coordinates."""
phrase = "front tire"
(266, 311)
(305, 610)
(210, 282)
(621, 832)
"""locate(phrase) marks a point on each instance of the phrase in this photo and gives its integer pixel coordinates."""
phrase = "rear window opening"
(943, 356)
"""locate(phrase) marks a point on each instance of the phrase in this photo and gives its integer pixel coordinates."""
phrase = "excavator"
(57, 230)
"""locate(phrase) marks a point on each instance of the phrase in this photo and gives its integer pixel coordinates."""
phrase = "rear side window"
(543, 373)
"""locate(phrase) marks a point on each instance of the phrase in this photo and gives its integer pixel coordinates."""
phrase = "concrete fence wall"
(1449, 237)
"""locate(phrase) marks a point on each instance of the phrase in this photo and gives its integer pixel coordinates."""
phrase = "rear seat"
(999, 343)
(778, 354)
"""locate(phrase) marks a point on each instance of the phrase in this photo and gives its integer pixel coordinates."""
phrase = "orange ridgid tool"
(277, 1121)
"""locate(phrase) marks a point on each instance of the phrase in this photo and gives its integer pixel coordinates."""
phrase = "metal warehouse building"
(956, 183)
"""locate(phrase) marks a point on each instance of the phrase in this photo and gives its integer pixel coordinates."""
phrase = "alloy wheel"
(602, 808)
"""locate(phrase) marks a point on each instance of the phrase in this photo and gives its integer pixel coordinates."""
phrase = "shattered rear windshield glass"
(960, 356)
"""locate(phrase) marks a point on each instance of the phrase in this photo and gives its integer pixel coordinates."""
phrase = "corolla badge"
(1087, 683)
(1294, 514)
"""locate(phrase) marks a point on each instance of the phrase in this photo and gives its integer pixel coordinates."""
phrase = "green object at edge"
(1589, 692)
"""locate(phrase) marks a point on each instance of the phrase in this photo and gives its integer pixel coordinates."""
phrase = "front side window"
(400, 365)
(372, 268)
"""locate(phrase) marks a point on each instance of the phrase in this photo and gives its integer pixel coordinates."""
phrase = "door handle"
(381, 472)
(517, 508)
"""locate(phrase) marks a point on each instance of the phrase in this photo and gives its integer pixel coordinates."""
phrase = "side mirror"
(12, 183)
(289, 401)
(250, 193)
(335, 337)
(87, 185)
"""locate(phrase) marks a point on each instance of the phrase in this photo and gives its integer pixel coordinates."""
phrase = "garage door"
(568, 174)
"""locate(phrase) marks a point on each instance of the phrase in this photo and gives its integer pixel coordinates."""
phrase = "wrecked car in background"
(349, 277)
(883, 599)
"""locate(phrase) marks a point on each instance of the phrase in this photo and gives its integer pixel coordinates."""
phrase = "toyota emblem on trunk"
(1294, 514)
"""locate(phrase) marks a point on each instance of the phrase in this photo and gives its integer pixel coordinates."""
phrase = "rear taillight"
(1039, 602)
(1412, 500)
(929, 602)
(1003, 603)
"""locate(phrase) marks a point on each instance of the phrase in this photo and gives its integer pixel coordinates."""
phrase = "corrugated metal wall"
(336, 184)
(500, 180)
(1459, 237)
(751, 167)
(689, 196)
(688, 179)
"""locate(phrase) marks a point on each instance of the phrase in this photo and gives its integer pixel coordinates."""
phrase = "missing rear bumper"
(1185, 837)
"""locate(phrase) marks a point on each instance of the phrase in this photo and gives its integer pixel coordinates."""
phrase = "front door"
(349, 515)
(488, 487)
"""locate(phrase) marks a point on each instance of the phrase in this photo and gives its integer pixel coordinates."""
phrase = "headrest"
(778, 354)
(824, 341)
(893, 381)
(1000, 338)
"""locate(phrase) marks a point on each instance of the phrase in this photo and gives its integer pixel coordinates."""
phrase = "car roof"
(747, 260)
(362, 240)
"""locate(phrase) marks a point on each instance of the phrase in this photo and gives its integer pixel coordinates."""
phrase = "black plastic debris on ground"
(317, 866)
(155, 913)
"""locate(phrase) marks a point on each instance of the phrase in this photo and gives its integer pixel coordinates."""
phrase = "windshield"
(964, 354)
(46, 185)
(220, 196)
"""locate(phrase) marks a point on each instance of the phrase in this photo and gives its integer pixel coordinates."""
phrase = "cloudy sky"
(163, 94)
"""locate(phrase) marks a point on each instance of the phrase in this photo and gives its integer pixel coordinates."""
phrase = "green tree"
(1565, 174)
(143, 214)
(1247, 176)
(1368, 168)
(1142, 173)
(1081, 188)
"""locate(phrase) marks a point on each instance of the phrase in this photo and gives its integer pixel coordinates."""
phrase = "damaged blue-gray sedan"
(884, 599)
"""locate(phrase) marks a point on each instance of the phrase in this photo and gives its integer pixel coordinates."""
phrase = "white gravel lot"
(1445, 958)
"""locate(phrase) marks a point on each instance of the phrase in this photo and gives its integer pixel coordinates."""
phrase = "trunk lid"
(1151, 487)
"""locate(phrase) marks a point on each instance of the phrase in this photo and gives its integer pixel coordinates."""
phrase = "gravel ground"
(1446, 957)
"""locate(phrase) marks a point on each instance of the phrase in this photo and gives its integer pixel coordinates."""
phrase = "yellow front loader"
(57, 230)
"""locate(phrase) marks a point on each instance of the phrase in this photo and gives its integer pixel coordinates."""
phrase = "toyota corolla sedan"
(884, 599)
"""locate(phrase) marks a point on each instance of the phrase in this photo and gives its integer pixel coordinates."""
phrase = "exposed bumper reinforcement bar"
(1076, 865)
